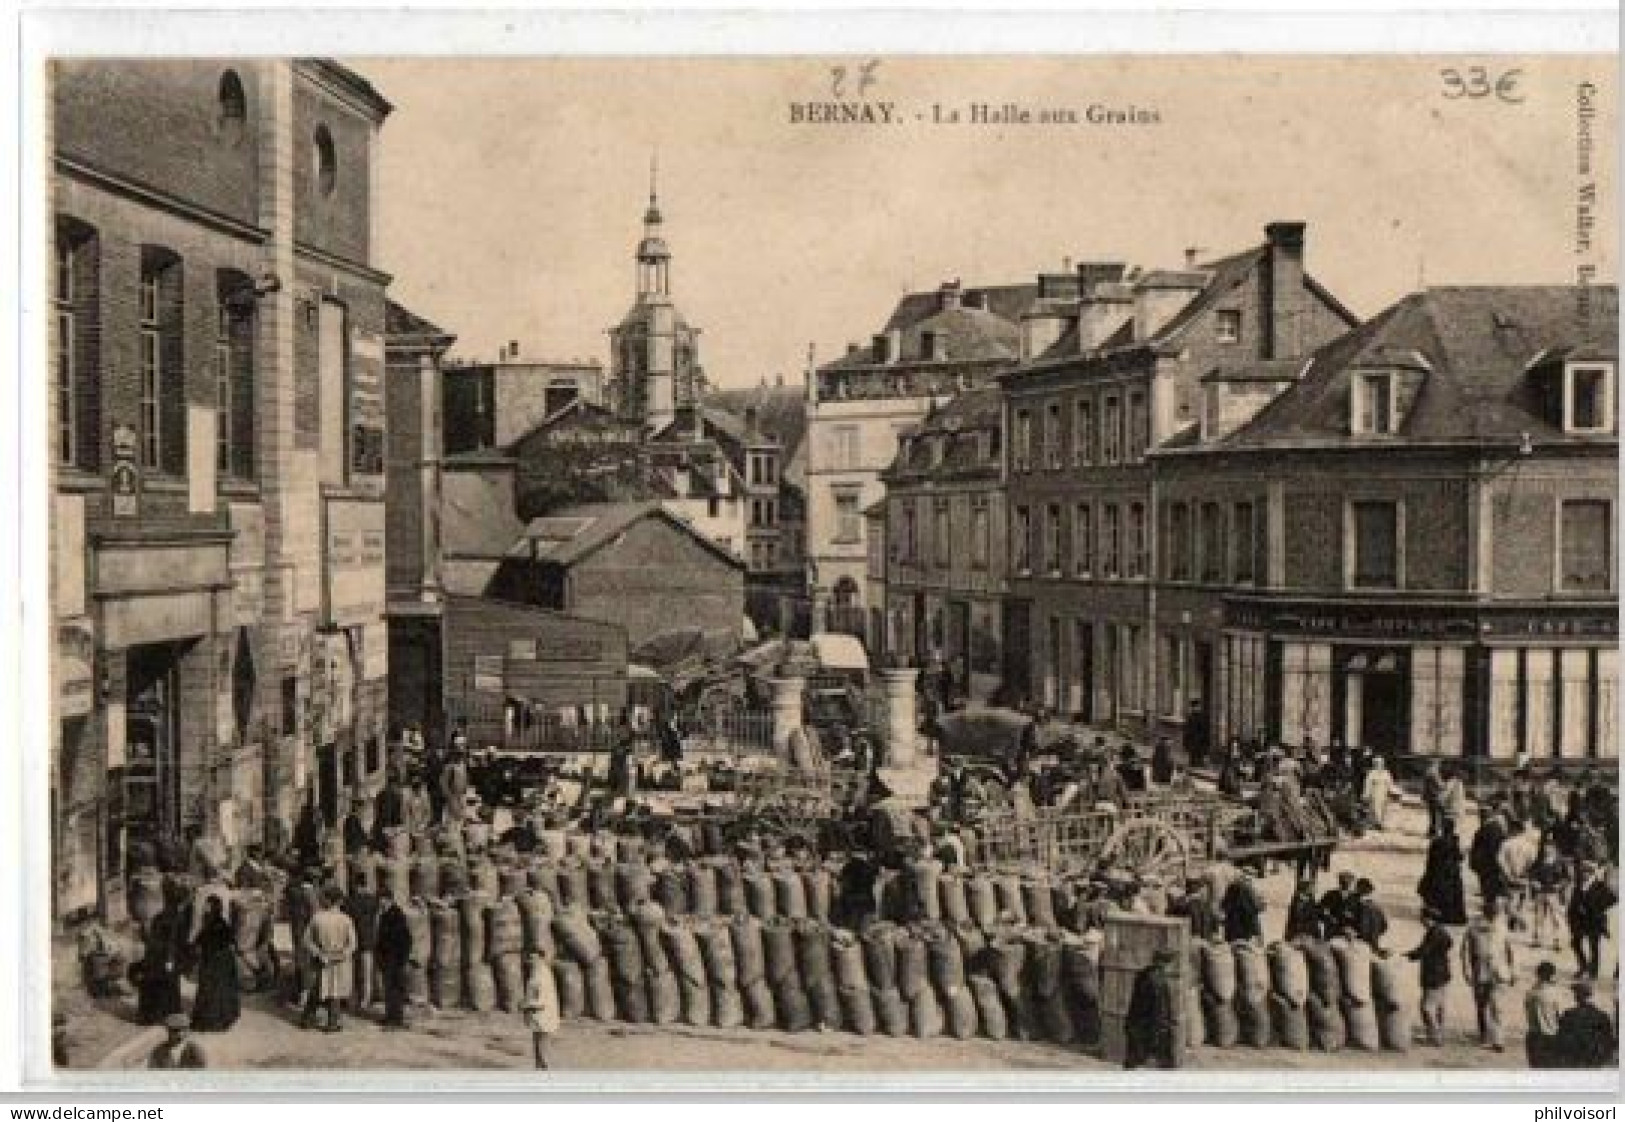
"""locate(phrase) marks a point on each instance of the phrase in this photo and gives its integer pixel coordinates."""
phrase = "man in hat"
(178, 1050)
(1543, 1008)
(1149, 1032)
(1337, 905)
(329, 946)
(1242, 908)
(1370, 921)
(1432, 954)
(1131, 770)
(393, 950)
(1488, 964)
(1588, 917)
(1585, 1034)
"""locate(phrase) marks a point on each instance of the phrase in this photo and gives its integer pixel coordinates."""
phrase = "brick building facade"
(217, 437)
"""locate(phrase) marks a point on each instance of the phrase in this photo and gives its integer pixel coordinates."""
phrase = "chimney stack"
(1285, 302)
(948, 296)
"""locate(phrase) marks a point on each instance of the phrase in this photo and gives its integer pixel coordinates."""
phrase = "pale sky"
(512, 191)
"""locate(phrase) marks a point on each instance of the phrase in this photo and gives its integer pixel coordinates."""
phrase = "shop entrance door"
(1375, 700)
(151, 803)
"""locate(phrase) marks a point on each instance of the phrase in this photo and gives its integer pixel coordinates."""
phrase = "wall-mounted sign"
(354, 561)
(488, 673)
(125, 478)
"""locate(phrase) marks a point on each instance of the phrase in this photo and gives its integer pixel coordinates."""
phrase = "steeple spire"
(651, 217)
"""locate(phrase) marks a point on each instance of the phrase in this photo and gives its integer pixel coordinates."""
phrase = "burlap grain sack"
(858, 1010)
(625, 953)
(536, 923)
(779, 948)
(1324, 984)
(813, 955)
(730, 888)
(682, 947)
(944, 959)
(632, 1001)
(1038, 901)
(665, 998)
(1289, 1022)
(629, 849)
(1253, 1018)
(819, 888)
(417, 983)
(600, 990)
(959, 1012)
(446, 934)
(749, 952)
(544, 878)
(1394, 1027)
(990, 1015)
(1252, 973)
(471, 928)
(880, 956)
(1080, 969)
(789, 894)
(759, 894)
(508, 971)
(913, 969)
(926, 898)
(453, 878)
(1008, 890)
(760, 1009)
(952, 903)
(702, 888)
(1219, 1016)
(727, 1007)
(671, 890)
(717, 952)
(601, 887)
(572, 986)
(479, 987)
(577, 936)
(1219, 971)
(972, 944)
(634, 883)
(446, 986)
(483, 879)
(893, 893)
(397, 877)
(891, 1011)
(1353, 958)
(504, 934)
(421, 930)
(574, 890)
(511, 880)
(795, 1010)
(1326, 1031)
(554, 844)
(1386, 986)
(1041, 971)
(925, 1019)
(1289, 974)
(983, 900)
(1360, 1025)
(648, 921)
(1026, 1017)
(1006, 959)
(423, 878)
(423, 845)
(846, 957)
(1195, 1021)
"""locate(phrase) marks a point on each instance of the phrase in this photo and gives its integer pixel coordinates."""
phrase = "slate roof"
(399, 321)
(1480, 352)
(965, 333)
(477, 518)
(571, 534)
(781, 411)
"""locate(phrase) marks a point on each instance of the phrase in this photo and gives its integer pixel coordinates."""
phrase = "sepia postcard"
(1059, 568)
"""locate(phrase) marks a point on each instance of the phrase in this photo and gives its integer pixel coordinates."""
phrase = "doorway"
(1018, 648)
(1374, 702)
(151, 822)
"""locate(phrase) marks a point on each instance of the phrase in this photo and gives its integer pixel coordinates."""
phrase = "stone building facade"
(217, 424)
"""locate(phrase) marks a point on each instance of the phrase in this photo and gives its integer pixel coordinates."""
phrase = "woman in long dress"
(1441, 887)
(159, 978)
(218, 1002)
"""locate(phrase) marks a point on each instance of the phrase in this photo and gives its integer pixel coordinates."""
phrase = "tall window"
(910, 545)
(1111, 548)
(1376, 544)
(1139, 426)
(1137, 546)
(333, 369)
(324, 160)
(1021, 541)
(1179, 542)
(64, 292)
(1111, 437)
(1213, 546)
(1083, 539)
(1243, 537)
(1373, 403)
(1588, 399)
(1083, 432)
(161, 359)
(1023, 450)
(222, 389)
(1053, 453)
(1053, 540)
(941, 532)
(981, 534)
(848, 519)
(845, 439)
(233, 107)
(1586, 556)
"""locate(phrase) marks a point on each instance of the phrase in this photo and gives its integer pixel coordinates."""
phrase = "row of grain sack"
(1309, 993)
(923, 980)
(722, 887)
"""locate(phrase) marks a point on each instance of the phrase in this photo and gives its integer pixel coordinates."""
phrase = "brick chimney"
(948, 296)
(1285, 301)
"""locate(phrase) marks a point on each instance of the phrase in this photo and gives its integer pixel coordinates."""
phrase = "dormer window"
(1372, 402)
(1227, 326)
(1588, 397)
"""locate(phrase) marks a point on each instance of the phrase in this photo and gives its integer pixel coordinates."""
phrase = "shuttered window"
(1585, 547)
(1376, 545)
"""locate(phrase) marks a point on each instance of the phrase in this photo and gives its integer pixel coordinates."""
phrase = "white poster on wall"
(200, 459)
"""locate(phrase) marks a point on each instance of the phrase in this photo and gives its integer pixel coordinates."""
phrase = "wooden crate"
(1131, 942)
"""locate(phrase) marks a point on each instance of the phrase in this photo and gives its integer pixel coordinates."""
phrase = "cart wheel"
(1147, 847)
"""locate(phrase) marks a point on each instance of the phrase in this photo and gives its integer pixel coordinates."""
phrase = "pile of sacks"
(928, 979)
(1305, 994)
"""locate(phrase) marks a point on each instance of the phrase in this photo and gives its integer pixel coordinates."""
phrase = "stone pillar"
(786, 707)
(901, 734)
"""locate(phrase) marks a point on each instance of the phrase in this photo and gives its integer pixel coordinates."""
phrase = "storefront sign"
(1418, 621)
(579, 648)
(126, 480)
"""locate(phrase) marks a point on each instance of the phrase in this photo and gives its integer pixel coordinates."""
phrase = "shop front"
(1422, 678)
